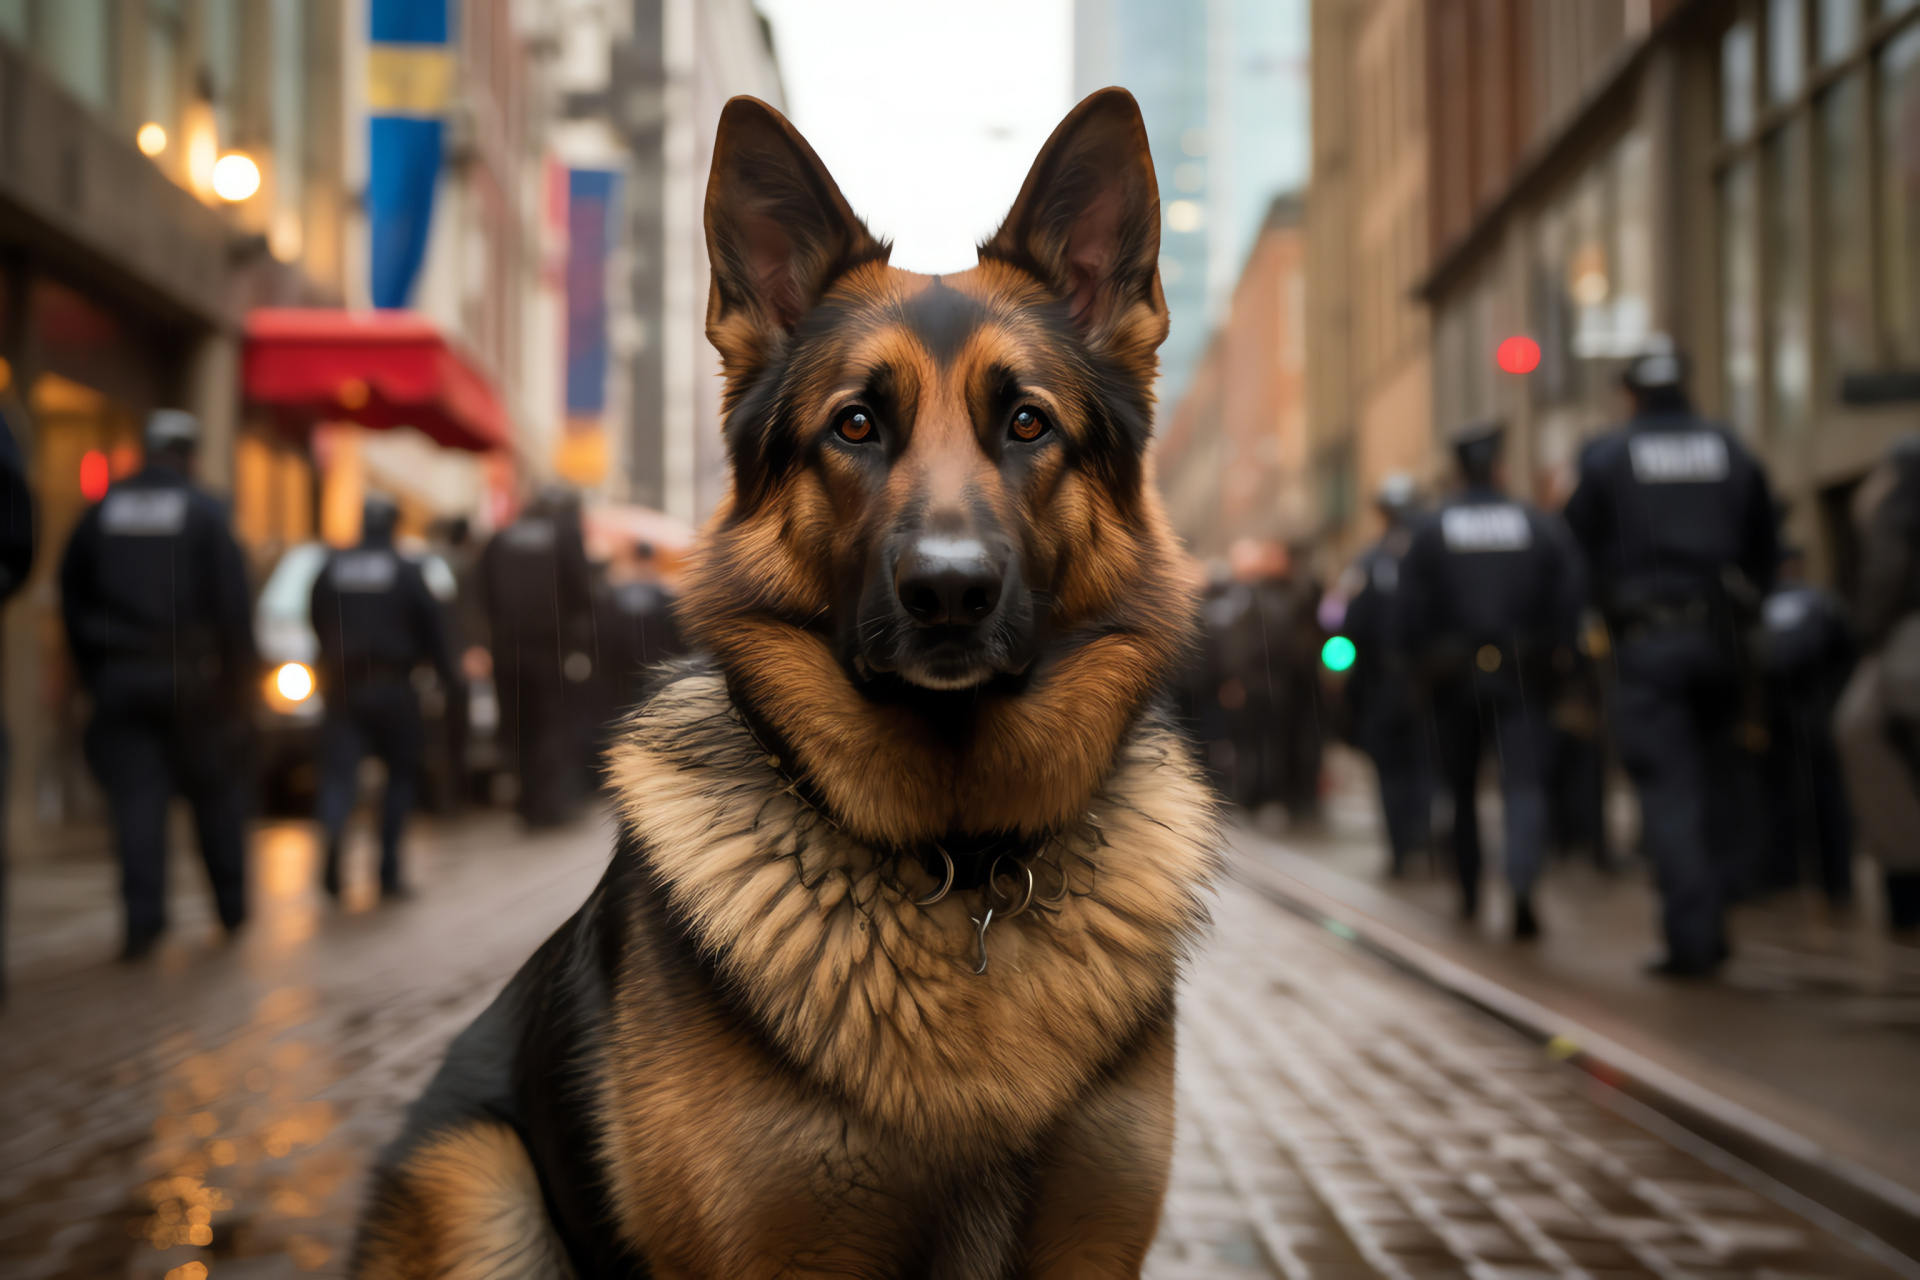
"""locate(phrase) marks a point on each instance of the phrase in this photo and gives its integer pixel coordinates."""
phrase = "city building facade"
(1234, 457)
(1369, 392)
(1736, 176)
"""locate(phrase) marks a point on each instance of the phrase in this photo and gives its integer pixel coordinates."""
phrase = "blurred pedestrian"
(638, 626)
(539, 592)
(16, 562)
(154, 596)
(1261, 629)
(1808, 653)
(1676, 521)
(377, 621)
(1877, 724)
(1494, 592)
(1387, 720)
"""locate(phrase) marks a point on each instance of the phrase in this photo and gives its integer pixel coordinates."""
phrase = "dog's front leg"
(1104, 1171)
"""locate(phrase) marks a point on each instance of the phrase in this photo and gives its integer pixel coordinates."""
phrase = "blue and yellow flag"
(410, 84)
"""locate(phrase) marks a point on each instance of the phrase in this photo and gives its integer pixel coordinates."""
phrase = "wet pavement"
(212, 1113)
(1814, 1024)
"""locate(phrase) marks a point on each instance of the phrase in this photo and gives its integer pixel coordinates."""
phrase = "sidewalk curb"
(1878, 1215)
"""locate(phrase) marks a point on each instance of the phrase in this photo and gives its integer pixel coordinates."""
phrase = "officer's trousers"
(382, 719)
(1391, 732)
(145, 743)
(1675, 710)
(1507, 715)
(541, 729)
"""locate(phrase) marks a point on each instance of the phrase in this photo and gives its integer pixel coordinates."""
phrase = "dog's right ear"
(778, 232)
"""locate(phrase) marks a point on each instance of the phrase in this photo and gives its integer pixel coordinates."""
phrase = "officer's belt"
(1653, 617)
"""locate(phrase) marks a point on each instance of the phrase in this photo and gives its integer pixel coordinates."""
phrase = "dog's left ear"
(1087, 221)
(778, 232)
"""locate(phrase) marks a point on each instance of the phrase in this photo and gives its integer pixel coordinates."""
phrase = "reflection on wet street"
(213, 1111)
(212, 1114)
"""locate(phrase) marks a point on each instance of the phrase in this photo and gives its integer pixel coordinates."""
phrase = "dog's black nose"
(948, 582)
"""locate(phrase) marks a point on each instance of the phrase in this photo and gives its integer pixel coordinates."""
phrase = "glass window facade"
(1819, 206)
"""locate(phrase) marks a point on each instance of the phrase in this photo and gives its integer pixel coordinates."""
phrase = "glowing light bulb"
(235, 177)
(151, 139)
(294, 681)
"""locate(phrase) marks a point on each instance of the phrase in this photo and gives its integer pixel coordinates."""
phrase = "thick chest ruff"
(874, 996)
(880, 980)
(753, 1039)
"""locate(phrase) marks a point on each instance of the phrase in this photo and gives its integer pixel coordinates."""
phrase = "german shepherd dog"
(880, 979)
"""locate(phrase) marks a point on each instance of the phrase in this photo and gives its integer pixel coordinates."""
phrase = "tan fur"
(779, 1063)
(874, 996)
(476, 1214)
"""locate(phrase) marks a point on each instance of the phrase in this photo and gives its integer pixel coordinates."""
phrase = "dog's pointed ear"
(1087, 222)
(778, 231)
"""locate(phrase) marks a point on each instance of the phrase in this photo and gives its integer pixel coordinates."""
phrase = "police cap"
(1477, 444)
(1396, 492)
(378, 517)
(1658, 368)
(171, 429)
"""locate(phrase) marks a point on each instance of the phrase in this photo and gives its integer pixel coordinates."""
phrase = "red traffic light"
(1518, 354)
(94, 475)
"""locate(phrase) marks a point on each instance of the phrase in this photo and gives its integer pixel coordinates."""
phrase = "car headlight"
(294, 681)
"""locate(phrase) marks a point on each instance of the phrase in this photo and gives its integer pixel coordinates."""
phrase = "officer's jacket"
(153, 576)
(375, 617)
(1376, 606)
(1665, 505)
(1807, 645)
(16, 515)
(1487, 570)
(538, 584)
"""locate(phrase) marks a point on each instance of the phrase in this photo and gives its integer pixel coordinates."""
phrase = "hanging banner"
(592, 219)
(410, 84)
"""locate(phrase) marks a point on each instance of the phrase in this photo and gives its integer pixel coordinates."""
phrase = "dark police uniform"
(540, 613)
(1808, 652)
(154, 595)
(1387, 723)
(16, 562)
(1494, 589)
(1676, 521)
(376, 620)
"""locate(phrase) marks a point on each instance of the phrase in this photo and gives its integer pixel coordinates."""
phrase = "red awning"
(376, 368)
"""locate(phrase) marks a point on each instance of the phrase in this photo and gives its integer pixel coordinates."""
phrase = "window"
(1740, 282)
(1786, 49)
(1900, 195)
(163, 65)
(1819, 206)
(1790, 358)
(74, 43)
(1846, 232)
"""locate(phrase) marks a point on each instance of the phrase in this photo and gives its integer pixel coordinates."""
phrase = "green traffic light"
(1338, 653)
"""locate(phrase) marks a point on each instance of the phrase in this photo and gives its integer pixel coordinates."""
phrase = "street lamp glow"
(294, 681)
(235, 177)
(1338, 653)
(151, 139)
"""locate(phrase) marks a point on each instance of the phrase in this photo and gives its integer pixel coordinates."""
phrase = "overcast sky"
(928, 112)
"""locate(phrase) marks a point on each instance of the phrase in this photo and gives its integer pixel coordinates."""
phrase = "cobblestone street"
(212, 1114)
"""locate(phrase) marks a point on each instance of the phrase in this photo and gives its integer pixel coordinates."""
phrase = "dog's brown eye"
(855, 426)
(1028, 425)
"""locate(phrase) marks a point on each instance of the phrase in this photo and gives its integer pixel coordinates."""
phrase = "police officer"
(154, 595)
(1387, 723)
(1808, 653)
(1494, 589)
(540, 610)
(1677, 524)
(16, 562)
(376, 620)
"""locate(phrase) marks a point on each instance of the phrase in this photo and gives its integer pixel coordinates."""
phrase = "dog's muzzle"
(953, 613)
